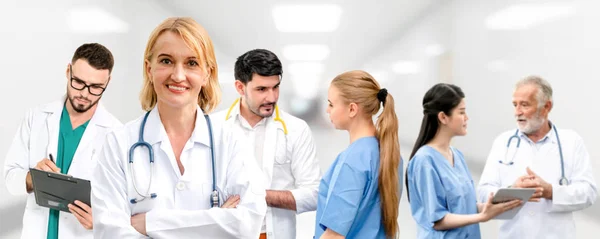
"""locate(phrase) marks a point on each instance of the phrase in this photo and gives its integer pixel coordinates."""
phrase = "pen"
(52, 159)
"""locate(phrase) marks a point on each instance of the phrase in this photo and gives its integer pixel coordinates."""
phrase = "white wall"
(486, 63)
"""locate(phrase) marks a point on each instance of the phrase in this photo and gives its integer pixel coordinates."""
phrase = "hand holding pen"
(48, 165)
(45, 165)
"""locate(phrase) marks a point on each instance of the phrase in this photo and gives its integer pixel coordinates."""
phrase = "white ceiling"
(366, 28)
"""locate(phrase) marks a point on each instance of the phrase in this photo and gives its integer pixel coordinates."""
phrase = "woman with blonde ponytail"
(360, 193)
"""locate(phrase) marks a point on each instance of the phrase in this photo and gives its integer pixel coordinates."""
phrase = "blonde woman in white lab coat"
(530, 157)
(173, 198)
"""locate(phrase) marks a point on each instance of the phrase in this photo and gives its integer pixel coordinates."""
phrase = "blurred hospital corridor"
(484, 47)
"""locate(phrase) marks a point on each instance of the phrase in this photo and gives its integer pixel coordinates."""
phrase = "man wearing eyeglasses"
(63, 137)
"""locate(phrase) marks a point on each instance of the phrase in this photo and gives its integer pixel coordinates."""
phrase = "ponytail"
(429, 127)
(361, 88)
(389, 161)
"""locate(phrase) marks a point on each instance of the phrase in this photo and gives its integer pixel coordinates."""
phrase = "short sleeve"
(346, 192)
(427, 194)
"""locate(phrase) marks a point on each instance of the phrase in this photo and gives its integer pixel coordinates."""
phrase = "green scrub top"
(68, 140)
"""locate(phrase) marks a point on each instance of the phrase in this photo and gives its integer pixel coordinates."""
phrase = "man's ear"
(68, 72)
(240, 87)
(547, 107)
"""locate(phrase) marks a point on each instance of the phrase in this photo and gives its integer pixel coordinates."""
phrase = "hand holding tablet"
(509, 194)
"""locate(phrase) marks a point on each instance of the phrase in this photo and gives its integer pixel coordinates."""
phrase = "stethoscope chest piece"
(563, 182)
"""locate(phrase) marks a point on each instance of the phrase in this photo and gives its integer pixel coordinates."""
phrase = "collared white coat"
(36, 138)
(182, 206)
(289, 163)
(547, 218)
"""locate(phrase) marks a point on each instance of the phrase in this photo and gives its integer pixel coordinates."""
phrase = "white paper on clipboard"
(508, 194)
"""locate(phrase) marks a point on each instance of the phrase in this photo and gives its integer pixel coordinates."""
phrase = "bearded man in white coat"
(283, 144)
(63, 137)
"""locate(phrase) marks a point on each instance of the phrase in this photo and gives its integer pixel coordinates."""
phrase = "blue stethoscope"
(563, 180)
(214, 199)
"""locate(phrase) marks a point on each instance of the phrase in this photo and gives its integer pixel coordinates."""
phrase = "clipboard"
(508, 194)
(56, 191)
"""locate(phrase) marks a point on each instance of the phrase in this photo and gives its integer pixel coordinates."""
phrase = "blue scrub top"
(436, 188)
(349, 201)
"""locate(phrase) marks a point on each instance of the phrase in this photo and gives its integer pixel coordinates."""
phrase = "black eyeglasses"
(81, 85)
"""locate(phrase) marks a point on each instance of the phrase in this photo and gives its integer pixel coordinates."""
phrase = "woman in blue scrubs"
(440, 188)
(360, 193)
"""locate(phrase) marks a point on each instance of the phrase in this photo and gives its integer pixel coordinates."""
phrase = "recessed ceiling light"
(525, 16)
(434, 50)
(307, 18)
(406, 67)
(306, 68)
(94, 20)
(306, 52)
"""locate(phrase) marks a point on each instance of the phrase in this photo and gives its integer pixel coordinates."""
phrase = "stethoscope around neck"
(277, 115)
(214, 198)
(563, 180)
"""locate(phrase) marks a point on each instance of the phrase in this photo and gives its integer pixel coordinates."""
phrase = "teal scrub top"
(68, 140)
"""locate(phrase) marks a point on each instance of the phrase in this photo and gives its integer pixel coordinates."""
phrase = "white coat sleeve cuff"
(560, 197)
(16, 182)
(558, 194)
(305, 200)
(152, 223)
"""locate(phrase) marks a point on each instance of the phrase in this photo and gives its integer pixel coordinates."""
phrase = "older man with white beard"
(539, 155)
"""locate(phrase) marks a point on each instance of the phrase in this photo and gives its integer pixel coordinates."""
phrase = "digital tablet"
(56, 191)
(508, 194)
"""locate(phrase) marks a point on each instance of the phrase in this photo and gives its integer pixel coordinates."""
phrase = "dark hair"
(96, 55)
(260, 61)
(441, 97)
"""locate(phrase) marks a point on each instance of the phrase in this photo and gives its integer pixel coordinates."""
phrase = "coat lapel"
(87, 146)
(52, 126)
(269, 150)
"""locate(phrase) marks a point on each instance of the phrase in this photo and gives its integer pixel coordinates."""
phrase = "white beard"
(533, 124)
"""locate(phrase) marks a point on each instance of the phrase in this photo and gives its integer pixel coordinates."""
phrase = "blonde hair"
(361, 88)
(197, 39)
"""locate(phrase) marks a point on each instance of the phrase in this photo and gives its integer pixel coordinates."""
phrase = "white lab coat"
(182, 206)
(549, 218)
(36, 138)
(288, 163)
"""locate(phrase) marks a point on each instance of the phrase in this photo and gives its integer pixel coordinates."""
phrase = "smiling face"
(175, 72)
